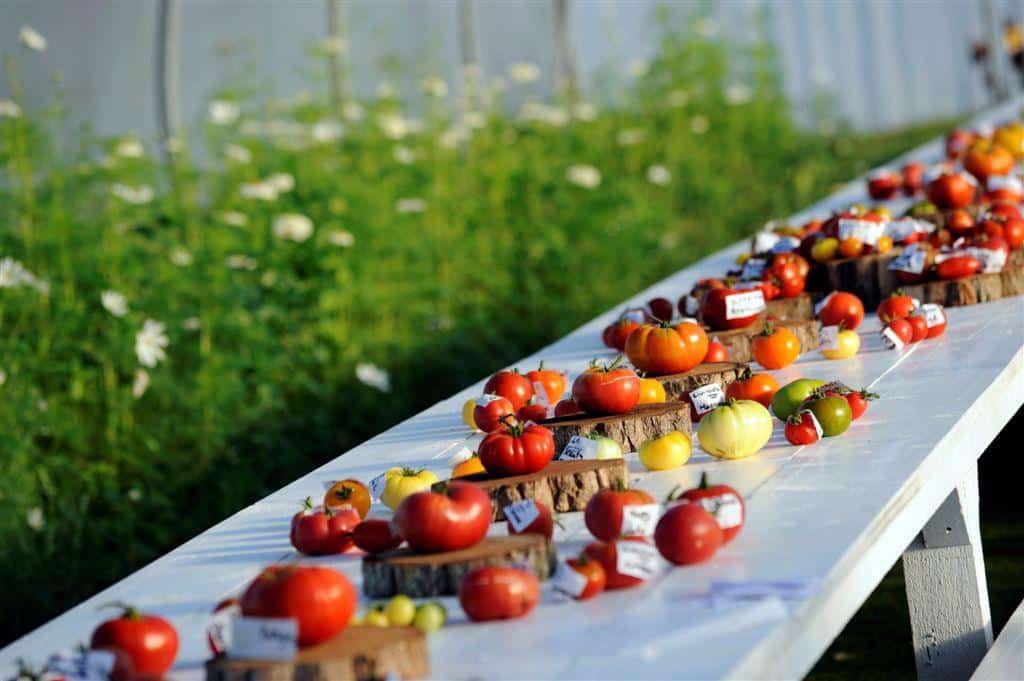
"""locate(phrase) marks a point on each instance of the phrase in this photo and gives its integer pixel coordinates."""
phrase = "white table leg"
(946, 588)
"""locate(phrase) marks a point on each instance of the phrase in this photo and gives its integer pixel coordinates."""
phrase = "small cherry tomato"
(376, 535)
(592, 571)
(543, 524)
(919, 328)
(801, 429)
(858, 400)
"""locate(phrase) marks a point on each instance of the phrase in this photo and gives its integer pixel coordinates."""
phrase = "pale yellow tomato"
(665, 452)
(735, 430)
(651, 391)
(467, 413)
(849, 344)
(825, 249)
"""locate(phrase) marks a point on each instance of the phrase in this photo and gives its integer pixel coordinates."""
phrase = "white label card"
(867, 231)
(911, 260)
(568, 581)
(484, 400)
(764, 241)
(991, 260)
(786, 244)
(639, 520)
(636, 559)
(579, 447)
(933, 314)
(264, 638)
(726, 508)
(753, 268)
(892, 341)
(707, 397)
(219, 628)
(377, 485)
(521, 514)
(903, 228)
(82, 665)
(744, 304)
(540, 395)
(829, 336)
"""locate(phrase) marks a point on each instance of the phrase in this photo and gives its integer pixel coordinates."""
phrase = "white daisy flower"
(410, 205)
(181, 257)
(3, 376)
(353, 111)
(453, 137)
(35, 518)
(115, 303)
(738, 93)
(404, 155)
(239, 261)
(293, 227)
(236, 153)
(659, 175)
(434, 86)
(150, 342)
(135, 494)
(585, 176)
(373, 376)
(233, 218)
(9, 109)
(12, 273)
(43, 406)
(174, 145)
(699, 125)
(524, 72)
(327, 130)
(474, 119)
(268, 278)
(281, 182)
(260, 191)
(140, 383)
(129, 147)
(341, 237)
(137, 196)
(630, 137)
(32, 39)
(393, 126)
(707, 28)
(223, 112)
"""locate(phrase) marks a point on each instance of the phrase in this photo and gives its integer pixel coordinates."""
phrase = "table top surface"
(830, 519)
(1005, 659)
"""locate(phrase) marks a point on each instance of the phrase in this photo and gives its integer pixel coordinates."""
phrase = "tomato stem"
(703, 481)
(128, 612)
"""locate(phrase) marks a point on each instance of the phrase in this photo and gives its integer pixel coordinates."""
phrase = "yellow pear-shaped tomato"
(735, 430)
(651, 391)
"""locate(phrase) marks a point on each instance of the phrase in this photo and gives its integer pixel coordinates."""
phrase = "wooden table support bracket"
(946, 588)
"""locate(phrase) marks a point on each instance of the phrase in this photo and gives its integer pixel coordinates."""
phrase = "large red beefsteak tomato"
(322, 600)
(454, 517)
(667, 349)
(515, 450)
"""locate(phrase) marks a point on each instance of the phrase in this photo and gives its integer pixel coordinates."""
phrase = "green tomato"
(833, 413)
(607, 448)
(790, 396)
(735, 430)
(400, 611)
(375, 617)
(430, 617)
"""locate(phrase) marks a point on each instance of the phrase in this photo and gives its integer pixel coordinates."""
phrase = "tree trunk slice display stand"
(630, 430)
(740, 342)
(723, 373)
(866, 276)
(421, 575)
(360, 653)
(791, 309)
(979, 288)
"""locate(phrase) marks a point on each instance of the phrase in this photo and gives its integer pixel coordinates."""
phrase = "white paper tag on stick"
(891, 339)
(636, 559)
(377, 485)
(568, 581)
(707, 397)
(578, 447)
(639, 520)
(933, 314)
(744, 304)
(521, 514)
(726, 508)
(540, 395)
(264, 638)
(484, 400)
(822, 303)
(829, 336)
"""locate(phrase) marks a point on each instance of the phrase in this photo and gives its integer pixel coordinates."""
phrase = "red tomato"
(607, 555)
(1004, 209)
(957, 267)
(454, 517)
(490, 410)
(716, 353)
(800, 429)
(660, 349)
(498, 593)
(608, 389)
(553, 382)
(603, 515)
(950, 191)
(217, 645)
(687, 534)
(985, 159)
(322, 600)
(902, 328)
(543, 524)
(720, 310)
(882, 186)
(151, 642)
(803, 267)
(959, 221)
(991, 226)
(913, 176)
(842, 308)
(938, 329)
(661, 309)
(1013, 232)
(616, 333)
(567, 408)
(919, 328)
(721, 501)
(511, 385)
(750, 386)
(517, 450)
(531, 412)
(858, 400)
(957, 143)
(791, 288)
(319, 531)
(896, 306)
(592, 571)
(376, 535)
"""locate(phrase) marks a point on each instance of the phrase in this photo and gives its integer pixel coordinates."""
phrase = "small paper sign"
(484, 400)
(578, 447)
(636, 559)
(991, 260)
(568, 581)
(540, 395)
(829, 336)
(744, 304)
(635, 315)
(892, 341)
(933, 314)
(521, 514)
(904, 228)
(867, 231)
(726, 508)
(81, 665)
(707, 397)
(377, 485)
(218, 629)
(264, 638)
(753, 268)
(639, 520)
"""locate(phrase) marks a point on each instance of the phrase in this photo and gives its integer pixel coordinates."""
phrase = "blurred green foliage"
(444, 247)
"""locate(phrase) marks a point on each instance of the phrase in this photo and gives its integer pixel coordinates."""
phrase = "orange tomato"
(663, 349)
(716, 353)
(850, 247)
(776, 347)
(470, 466)
(552, 381)
(349, 493)
(884, 244)
(651, 391)
(750, 386)
(985, 159)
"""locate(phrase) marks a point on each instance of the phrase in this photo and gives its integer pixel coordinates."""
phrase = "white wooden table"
(833, 517)
(1006, 658)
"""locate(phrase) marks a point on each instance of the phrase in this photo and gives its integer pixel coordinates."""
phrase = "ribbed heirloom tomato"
(319, 531)
(517, 450)
(750, 386)
(511, 385)
(607, 389)
(665, 349)
(454, 517)
(320, 599)
(985, 159)
(776, 347)
(841, 308)
(553, 382)
(149, 641)
(490, 410)
(603, 515)
(498, 593)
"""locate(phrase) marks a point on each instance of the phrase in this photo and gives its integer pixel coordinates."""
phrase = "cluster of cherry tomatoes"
(908, 322)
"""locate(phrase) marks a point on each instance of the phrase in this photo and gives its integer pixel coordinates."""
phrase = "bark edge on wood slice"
(866, 276)
(978, 288)
(791, 309)
(630, 430)
(723, 373)
(741, 341)
(562, 486)
(421, 575)
(360, 652)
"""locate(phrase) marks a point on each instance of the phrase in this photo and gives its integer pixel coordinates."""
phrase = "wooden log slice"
(740, 342)
(979, 288)
(630, 430)
(866, 276)
(420, 575)
(791, 309)
(723, 373)
(563, 486)
(360, 653)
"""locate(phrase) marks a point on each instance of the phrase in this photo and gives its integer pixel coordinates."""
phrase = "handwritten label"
(639, 520)
(568, 581)
(910, 260)
(904, 228)
(707, 397)
(933, 314)
(829, 337)
(81, 665)
(726, 508)
(218, 629)
(377, 485)
(636, 559)
(264, 638)
(891, 339)
(578, 447)
(521, 514)
(822, 303)
(484, 400)
(753, 268)
(867, 231)
(991, 260)
(744, 304)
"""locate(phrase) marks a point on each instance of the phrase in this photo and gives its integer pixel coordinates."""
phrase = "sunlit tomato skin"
(1013, 232)
(750, 386)
(609, 389)
(959, 221)
(616, 333)
(800, 429)
(376, 535)
(454, 518)
(319, 531)
(532, 412)
(715, 499)
(775, 347)
(1004, 209)
(858, 401)
(950, 191)
(594, 573)
(716, 353)
(661, 309)
(842, 308)
(992, 227)
(543, 524)
(687, 534)
(149, 641)
(896, 306)
(567, 408)
(919, 328)
(659, 349)
(517, 450)
(715, 309)
(957, 267)
(498, 593)
(607, 555)
(603, 514)
(913, 176)
(320, 599)
(511, 385)
(985, 159)
(489, 412)
(651, 391)
(553, 382)
(791, 288)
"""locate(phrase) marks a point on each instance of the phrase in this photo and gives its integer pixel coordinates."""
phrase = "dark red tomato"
(791, 288)
(913, 177)
(151, 642)
(959, 221)
(592, 571)
(938, 324)
(517, 450)
(603, 515)
(800, 429)
(721, 501)
(616, 333)
(454, 517)
(902, 329)
(842, 308)
(950, 191)
(782, 270)
(858, 400)
(896, 306)
(957, 143)
(608, 389)
(919, 328)
(543, 524)
(991, 227)
(882, 186)
(1004, 209)
(376, 535)
(532, 412)
(498, 593)
(490, 410)
(322, 600)
(567, 408)
(687, 534)
(957, 267)
(607, 555)
(661, 309)
(511, 385)
(716, 353)
(730, 308)
(319, 531)
(1013, 232)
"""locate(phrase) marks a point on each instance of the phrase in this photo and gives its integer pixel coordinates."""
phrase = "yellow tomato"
(850, 247)
(882, 211)
(735, 430)
(375, 617)
(825, 249)
(467, 413)
(400, 611)
(401, 482)
(651, 391)
(470, 466)
(665, 452)
(884, 244)
(1011, 138)
(849, 344)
